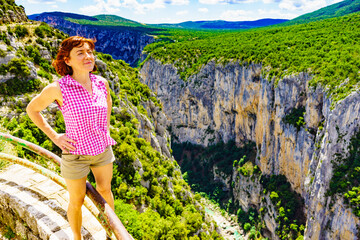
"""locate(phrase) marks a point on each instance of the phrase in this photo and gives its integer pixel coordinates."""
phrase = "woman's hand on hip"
(64, 143)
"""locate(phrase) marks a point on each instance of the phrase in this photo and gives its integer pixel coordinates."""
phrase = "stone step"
(35, 207)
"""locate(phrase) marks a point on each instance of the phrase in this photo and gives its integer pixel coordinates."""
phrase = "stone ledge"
(34, 207)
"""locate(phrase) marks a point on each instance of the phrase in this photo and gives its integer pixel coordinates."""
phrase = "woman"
(85, 102)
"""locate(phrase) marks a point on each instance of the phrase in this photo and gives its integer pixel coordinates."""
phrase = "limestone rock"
(234, 102)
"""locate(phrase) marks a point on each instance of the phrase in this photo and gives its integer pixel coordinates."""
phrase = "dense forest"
(326, 49)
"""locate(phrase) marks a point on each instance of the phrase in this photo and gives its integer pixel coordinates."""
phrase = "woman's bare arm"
(48, 95)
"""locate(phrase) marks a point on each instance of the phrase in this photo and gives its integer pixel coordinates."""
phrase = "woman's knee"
(76, 201)
(103, 187)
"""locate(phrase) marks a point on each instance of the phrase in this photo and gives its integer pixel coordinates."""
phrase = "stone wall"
(34, 207)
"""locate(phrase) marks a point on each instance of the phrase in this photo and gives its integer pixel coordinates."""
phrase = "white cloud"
(100, 7)
(271, 1)
(114, 3)
(302, 5)
(238, 15)
(335, 1)
(177, 2)
(180, 13)
(209, 1)
(239, 1)
(112, 6)
(276, 14)
(49, 2)
(203, 10)
(226, 1)
(241, 15)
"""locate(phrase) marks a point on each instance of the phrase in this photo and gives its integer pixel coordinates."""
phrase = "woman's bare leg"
(77, 190)
(103, 176)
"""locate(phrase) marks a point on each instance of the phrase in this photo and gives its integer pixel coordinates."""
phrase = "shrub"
(247, 227)
(19, 84)
(21, 31)
(16, 86)
(44, 30)
(44, 74)
(295, 117)
(2, 53)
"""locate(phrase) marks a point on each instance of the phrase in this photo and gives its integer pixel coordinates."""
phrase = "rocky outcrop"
(11, 13)
(120, 42)
(235, 102)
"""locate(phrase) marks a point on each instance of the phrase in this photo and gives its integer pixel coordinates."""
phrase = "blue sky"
(175, 11)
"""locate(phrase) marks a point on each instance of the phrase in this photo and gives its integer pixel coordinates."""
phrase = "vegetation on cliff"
(288, 204)
(10, 12)
(327, 49)
(345, 181)
(295, 117)
(28, 55)
(197, 160)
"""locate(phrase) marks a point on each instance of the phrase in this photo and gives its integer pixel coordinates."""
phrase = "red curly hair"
(64, 52)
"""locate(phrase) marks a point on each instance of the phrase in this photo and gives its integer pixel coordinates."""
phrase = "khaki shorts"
(78, 166)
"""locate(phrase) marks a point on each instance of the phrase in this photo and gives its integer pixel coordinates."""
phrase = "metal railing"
(103, 212)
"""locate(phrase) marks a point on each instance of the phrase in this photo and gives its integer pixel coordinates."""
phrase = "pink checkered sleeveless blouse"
(85, 116)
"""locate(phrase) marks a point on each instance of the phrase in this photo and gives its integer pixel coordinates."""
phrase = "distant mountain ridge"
(63, 15)
(122, 41)
(220, 24)
(113, 20)
(98, 20)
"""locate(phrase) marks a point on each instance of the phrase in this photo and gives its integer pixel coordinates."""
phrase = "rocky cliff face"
(326, 220)
(10, 13)
(126, 44)
(235, 102)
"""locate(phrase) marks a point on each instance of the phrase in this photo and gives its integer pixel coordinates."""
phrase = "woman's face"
(81, 59)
